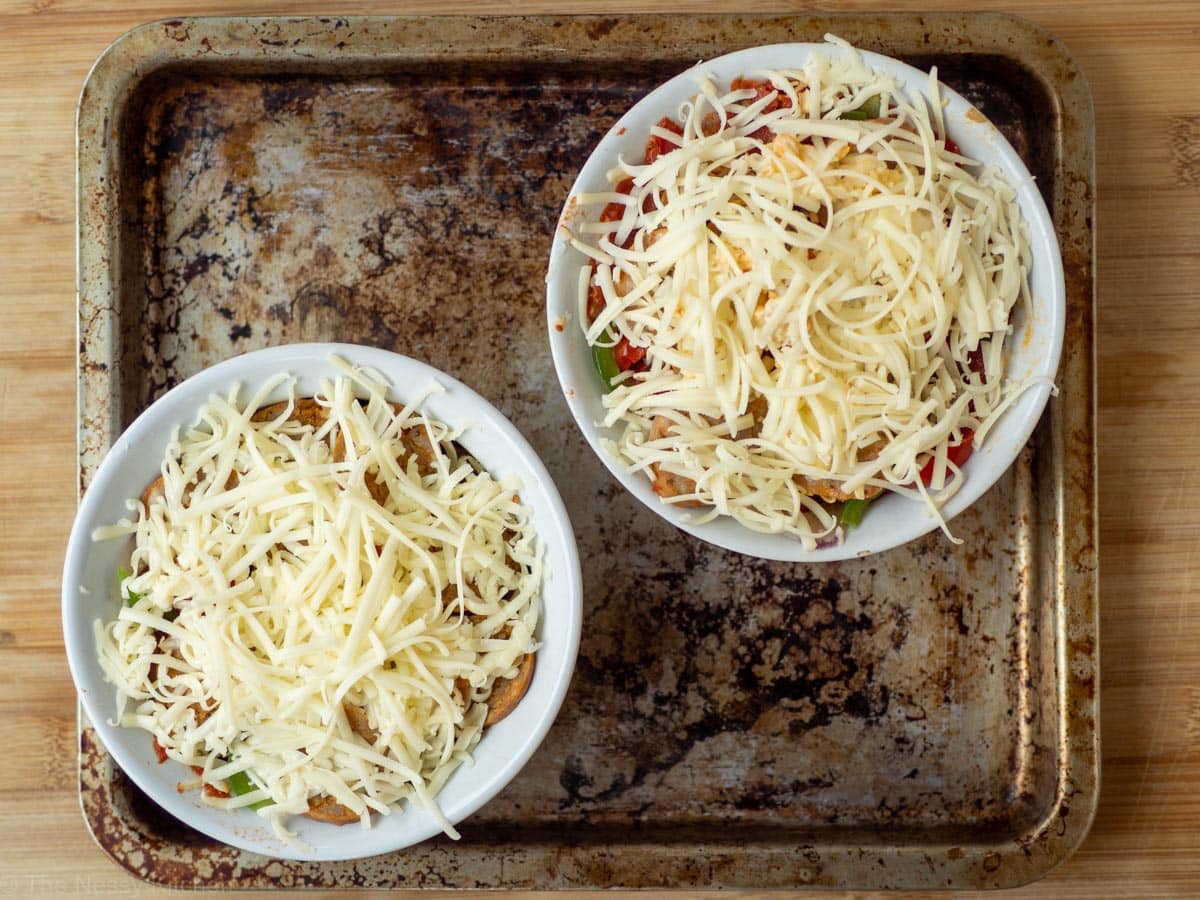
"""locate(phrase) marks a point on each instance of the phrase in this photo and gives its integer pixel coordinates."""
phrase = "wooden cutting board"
(1142, 66)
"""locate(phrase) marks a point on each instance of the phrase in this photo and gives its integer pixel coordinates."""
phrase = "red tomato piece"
(951, 146)
(595, 302)
(159, 752)
(657, 146)
(614, 210)
(595, 297)
(761, 89)
(956, 453)
(627, 355)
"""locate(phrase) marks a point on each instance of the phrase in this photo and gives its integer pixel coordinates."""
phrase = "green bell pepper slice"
(133, 596)
(240, 783)
(852, 513)
(605, 361)
(869, 109)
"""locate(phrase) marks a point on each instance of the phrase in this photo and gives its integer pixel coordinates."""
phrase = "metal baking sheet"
(923, 718)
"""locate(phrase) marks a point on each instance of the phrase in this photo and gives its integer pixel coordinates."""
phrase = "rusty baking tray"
(926, 717)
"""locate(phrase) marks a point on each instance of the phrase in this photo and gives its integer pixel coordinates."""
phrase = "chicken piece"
(623, 283)
(360, 724)
(671, 484)
(326, 809)
(757, 408)
(202, 712)
(830, 490)
(416, 441)
(666, 483)
(464, 691)
(508, 534)
(153, 489)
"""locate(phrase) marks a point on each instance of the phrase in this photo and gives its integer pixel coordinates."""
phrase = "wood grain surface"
(1143, 63)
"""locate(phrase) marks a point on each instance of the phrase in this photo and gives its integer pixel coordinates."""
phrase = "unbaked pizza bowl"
(715, 393)
(477, 561)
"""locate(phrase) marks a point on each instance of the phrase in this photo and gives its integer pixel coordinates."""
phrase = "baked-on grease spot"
(288, 97)
(574, 778)
(788, 644)
(770, 796)
(600, 28)
(198, 265)
(177, 31)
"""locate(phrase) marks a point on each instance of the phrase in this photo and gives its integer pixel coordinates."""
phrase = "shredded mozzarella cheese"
(809, 290)
(323, 605)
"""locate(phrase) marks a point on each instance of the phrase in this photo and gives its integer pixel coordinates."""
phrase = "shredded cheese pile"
(809, 289)
(273, 596)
